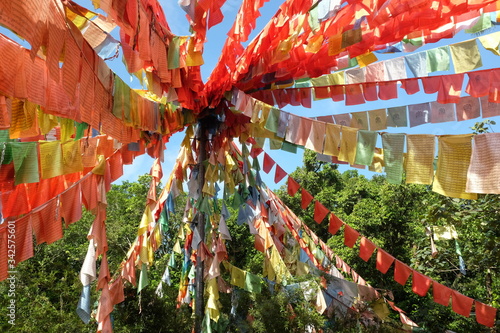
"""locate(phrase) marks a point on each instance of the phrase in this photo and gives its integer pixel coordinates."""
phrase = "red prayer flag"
(354, 94)
(401, 272)
(479, 83)
(320, 212)
(388, 90)
(279, 175)
(485, 314)
(370, 91)
(441, 293)
(366, 248)
(384, 260)
(410, 86)
(306, 199)
(293, 186)
(116, 291)
(421, 284)
(268, 163)
(350, 236)
(461, 304)
(335, 224)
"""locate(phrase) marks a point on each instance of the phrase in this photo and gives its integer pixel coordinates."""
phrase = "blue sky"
(215, 40)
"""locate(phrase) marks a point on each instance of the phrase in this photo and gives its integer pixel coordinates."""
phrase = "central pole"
(199, 284)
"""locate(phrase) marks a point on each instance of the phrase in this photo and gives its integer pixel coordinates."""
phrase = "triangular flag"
(279, 175)
(306, 199)
(268, 163)
(293, 186)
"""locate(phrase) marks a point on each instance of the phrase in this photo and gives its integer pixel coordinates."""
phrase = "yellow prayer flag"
(466, 56)
(332, 140)
(51, 159)
(146, 219)
(453, 161)
(378, 119)
(337, 78)
(420, 158)
(72, 157)
(378, 161)
(347, 152)
(491, 42)
(366, 59)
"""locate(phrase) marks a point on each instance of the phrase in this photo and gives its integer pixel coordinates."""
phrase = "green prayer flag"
(303, 83)
(80, 130)
(121, 100)
(253, 283)
(173, 53)
(393, 145)
(237, 201)
(397, 117)
(163, 220)
(143, 278)
(481, 25)
(5, 153)
(365, 148)
(289, 147)
(272, 120)
(255, 164)
(25, 156)
(275, 144)
(438, 59)
(171, 261)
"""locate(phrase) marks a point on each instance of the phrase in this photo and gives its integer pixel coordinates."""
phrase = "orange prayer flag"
(441, 293)
(421, 283)
(71, 204)
(461, 304)
(47, 224)
(366, 248)
(24, 239)
(350, 236)
(306, 199)
(320, 212)
(384, 260)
